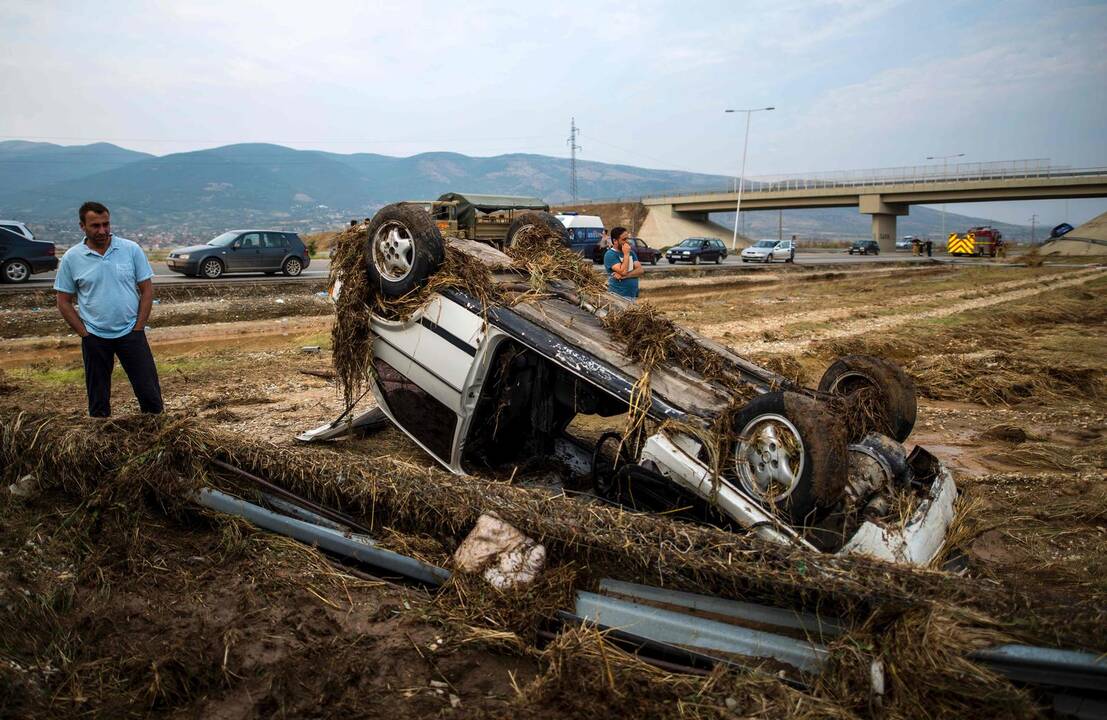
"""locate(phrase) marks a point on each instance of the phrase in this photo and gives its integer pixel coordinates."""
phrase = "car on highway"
(696, 250)
(481, 382)
(21, 255)
(905, 242)
(768, 250)
(242, 251)
(645, 253)
(864, 247)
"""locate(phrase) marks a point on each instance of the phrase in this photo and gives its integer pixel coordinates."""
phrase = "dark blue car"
(21, 255)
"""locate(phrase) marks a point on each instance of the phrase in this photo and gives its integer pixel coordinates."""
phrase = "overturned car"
(697, 431)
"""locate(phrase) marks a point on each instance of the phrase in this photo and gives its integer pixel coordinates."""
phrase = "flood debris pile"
(917, 622)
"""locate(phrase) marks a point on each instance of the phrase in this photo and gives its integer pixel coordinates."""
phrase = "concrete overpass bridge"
(888, 193)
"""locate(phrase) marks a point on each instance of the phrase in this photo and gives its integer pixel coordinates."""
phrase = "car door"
(273, 249)
(245, 253)
(6, 238)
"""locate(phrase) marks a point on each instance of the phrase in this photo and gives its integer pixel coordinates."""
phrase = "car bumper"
(185, 267)
(42, 265)
(685, 258)
(921, 538)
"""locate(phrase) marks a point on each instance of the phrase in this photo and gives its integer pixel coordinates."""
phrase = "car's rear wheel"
(292, 267)
(211, 268)
(881, 396)
(540, 221)
(16, 271)
(404, 249)
(789, 455)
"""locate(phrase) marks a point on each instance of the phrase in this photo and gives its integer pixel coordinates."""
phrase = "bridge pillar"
(884, 219)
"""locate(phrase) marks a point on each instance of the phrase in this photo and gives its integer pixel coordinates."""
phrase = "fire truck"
(979, 241)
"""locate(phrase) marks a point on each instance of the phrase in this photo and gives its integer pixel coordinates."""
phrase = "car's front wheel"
(211, 268)
(653, 260)
(405, 248)
(292, 267)
(768, 258)
(672, 262)
(696, 260)
(16, 271)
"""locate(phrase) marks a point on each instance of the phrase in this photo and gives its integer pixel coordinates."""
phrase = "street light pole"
(742, 172)
(1034, 229)
(945, 172)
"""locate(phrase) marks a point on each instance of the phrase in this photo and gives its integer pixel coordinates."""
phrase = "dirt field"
(114, 606)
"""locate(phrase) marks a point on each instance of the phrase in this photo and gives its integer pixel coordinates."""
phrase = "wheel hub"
(16, 272)
(393, 251)
(769, 457)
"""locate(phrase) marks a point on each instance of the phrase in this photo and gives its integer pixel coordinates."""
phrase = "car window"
(641, 244)
(275, 240)
(223, 240)
(13, 229)
(8, 236)
(250, 241)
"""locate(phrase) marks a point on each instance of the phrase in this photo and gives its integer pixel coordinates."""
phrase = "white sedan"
(768, 250)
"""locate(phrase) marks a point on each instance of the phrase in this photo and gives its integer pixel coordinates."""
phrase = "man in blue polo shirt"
(109, 278)
(621, 263)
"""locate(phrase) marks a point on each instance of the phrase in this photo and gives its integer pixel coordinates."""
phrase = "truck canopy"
(469, 204)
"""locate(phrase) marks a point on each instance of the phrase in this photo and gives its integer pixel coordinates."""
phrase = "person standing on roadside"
(109, 277)
(621, 263)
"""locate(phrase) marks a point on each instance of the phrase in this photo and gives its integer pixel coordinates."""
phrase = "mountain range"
(193, 194)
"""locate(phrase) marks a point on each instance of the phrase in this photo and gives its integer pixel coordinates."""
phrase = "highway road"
(320, 268)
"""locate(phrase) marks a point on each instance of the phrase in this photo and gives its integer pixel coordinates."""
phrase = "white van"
(585, 231)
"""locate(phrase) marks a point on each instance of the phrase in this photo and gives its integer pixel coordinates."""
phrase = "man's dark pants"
(137, 361)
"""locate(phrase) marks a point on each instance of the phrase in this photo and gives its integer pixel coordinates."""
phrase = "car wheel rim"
(211, 269)
(393, 251)
(769, 458)
(293, 267)
(17, 272)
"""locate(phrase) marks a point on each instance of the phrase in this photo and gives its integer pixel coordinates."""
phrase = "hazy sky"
(856, 83)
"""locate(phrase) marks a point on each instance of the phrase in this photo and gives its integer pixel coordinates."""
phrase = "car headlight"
(686, 253)
(182, 256)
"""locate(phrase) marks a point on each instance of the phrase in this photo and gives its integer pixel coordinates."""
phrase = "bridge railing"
(907, 175)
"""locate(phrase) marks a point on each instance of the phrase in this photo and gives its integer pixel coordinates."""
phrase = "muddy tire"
(542, 220)
(789, 455)
(892, 406)
(403, 249)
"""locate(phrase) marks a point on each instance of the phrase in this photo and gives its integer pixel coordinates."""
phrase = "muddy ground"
(178, 614)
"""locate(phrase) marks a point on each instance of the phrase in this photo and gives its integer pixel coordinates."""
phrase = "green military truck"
(492, 219)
